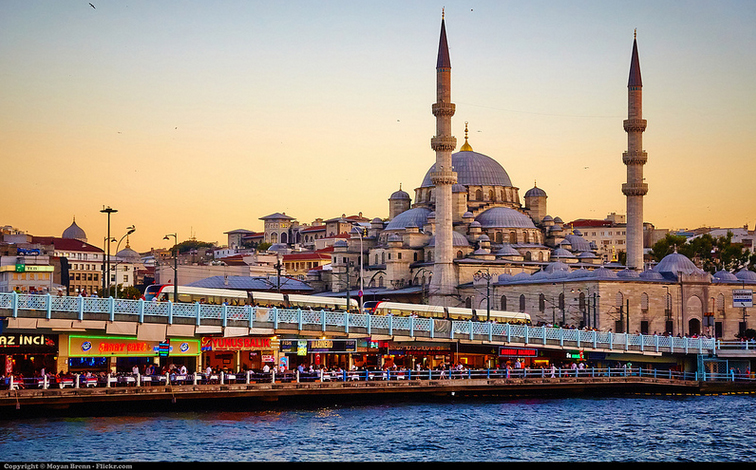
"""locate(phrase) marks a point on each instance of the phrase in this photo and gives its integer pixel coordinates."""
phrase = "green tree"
(709, 253)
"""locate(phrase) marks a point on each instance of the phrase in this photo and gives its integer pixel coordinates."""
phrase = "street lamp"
(175, 264)
(362, 253)
(130, 230)
(106, 284)
(487, 276)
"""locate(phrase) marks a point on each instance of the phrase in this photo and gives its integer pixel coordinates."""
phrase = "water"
(642, 428)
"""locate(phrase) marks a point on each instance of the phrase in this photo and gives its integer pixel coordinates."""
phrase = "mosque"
(469, 240)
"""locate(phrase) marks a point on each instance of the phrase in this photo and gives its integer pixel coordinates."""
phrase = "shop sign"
(397, 350)
(15, 343)
(96, 346)
(249, 343)
(574, 355)
(304, 346)
(518, 352)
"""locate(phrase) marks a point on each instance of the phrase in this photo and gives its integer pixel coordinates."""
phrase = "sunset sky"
(200, 117)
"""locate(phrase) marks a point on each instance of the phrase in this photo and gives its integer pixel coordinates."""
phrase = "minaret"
(444, 282)
(634, 159)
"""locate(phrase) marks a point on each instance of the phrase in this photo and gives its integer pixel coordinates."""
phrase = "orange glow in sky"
(198, 118)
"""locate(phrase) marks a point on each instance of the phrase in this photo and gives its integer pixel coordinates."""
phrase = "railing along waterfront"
(387, 375)
(48, 306)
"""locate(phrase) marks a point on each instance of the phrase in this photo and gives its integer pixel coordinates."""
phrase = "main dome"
(474, 169)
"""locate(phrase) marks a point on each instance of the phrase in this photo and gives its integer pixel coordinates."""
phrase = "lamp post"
(107, 210)
(487, 276)
(362, 253)
(175, 264)
(130, 230)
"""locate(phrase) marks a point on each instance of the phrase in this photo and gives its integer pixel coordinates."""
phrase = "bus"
(437, 311)
(188, 294)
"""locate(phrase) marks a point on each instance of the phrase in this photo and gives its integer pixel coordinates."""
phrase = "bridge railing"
(48, 306)
(322, 375)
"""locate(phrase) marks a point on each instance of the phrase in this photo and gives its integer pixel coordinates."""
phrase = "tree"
(708, 253)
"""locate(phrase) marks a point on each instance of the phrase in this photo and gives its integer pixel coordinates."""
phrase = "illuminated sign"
(575, 355)
(12, 343)
(33, 268)
(518, 352)
(303, 346)
(210, 343)
(97, 346)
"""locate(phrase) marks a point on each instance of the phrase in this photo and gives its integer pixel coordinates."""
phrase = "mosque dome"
(457, 240)
(414, 217)
(474, 169)
(75, 232)
(628, 274)
(128, 255)
(604, 273)
(675, 263)
(507, 250)
(651, 275)
(504, 217)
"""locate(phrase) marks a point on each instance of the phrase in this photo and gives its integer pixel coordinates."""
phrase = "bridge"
(93, 394)
(29, 311)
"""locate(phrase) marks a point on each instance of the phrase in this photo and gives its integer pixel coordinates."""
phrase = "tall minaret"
(634, 159)
(444, 282)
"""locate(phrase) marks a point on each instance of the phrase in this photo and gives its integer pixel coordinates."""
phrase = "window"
(503, 302)
(541, 303)
(522, 302)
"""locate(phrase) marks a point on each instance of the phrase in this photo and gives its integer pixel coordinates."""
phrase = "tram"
(437, 311)
(188, 294)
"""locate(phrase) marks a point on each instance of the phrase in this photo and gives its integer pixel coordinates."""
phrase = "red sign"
(518, 352)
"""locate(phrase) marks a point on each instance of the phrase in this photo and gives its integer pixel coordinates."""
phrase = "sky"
(198, 118)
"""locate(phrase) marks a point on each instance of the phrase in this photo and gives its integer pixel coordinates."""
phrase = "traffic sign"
(742, 298)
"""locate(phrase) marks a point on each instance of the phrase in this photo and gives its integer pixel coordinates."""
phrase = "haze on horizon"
(198, 118)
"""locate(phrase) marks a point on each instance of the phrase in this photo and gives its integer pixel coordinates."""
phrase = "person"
(135, 369)
(553, 371)
(266, 369)
(183, 369)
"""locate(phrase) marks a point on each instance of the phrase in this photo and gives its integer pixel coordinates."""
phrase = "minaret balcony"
(443, 177)
(443, 109)
(443, 143)
(634, 125)
(636, 157)
(634, 189)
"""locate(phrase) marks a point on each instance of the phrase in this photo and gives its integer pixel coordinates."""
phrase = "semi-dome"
(74, 232)
(474, 169)
(417, 216)
(504, 217)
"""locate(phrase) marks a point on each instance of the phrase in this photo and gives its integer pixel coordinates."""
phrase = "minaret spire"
(443, 282)
(634, 159)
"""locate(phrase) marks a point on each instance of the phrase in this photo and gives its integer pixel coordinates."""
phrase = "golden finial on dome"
(466, 146)
(442, 13)
(635, 33)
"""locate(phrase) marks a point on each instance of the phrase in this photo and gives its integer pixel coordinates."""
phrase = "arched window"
(479, 195)
(459, 254)
(499, 237)
(721, 304)
(644, 302)
(541, 303)
(468, 302)
(513, 237)
(503, 302)
(491, 195)
(522, 302)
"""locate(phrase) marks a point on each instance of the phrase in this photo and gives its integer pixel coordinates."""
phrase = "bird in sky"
(92, 6)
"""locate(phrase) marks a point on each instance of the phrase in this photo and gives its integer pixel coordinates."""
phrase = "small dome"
(604, 273)
(504, 217)
(746, 275)
(467, 215)
(507, 250)
(628, 274)
(587, 255)
(535, 192)
(340, 244)
(651, 275)
(725, 276)
(558, 220)
(580, 273)
(560, 253)
(401, 195)
(578, 243)
(74, 232)
(504, 277)
(128, 255)
(417, 216)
